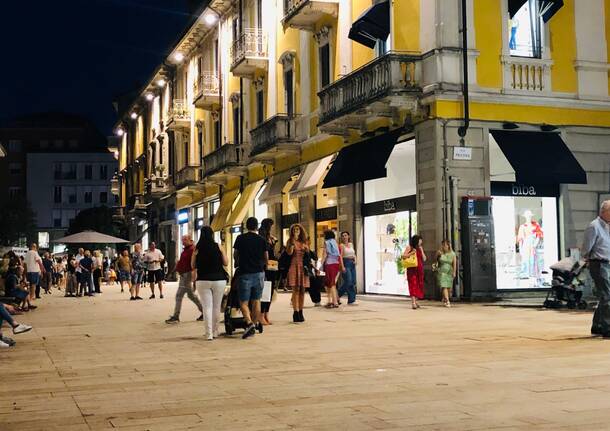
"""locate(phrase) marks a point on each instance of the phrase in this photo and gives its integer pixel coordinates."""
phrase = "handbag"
(410, 262)
(272, 265)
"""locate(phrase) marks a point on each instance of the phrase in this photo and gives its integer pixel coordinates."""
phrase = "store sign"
(389, 206)
(500, 188)
(325, 214)
(289, 219)
(236, 229)
(462, 153)
(183, 216)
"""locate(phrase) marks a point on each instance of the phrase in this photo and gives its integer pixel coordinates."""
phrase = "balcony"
(179, 115)
(275, 137)
(227, 161)
(526, 75)
(386, 87)
(249, 53)
(118, 215)
(207, 91)
(304, 14)
(187, 176)
(136, 202)
(156, 187)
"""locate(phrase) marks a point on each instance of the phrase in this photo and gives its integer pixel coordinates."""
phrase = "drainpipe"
(464, 129)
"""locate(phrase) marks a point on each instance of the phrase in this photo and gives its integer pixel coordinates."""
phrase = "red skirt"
(332, 272)
(416, 283)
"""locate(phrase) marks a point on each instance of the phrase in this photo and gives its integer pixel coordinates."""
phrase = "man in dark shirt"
(86, 266)
(251, 257)
(185, 284)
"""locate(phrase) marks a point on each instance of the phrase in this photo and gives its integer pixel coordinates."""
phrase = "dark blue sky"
(76, 55)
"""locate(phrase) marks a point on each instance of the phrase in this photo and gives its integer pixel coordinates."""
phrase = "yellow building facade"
(346, 115)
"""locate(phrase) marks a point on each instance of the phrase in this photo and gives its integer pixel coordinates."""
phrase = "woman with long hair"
(270, 275)
(447, 270)
(415, 275)
(333, 264)
(208, 263)
(297, 279)
(348, 253)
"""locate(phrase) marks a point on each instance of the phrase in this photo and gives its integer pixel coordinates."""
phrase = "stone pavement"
(107, 363)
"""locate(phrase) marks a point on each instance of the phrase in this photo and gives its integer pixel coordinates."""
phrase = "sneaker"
(173, 319)
(152, 296)
(317, 304)
(160, 296)
(352, 303)
(4, 345)
(259, 328)
(8, 340)
(209, 337)
(21, 328)
(133, 298)
(200, 318)
(250, 331)
(138, 298)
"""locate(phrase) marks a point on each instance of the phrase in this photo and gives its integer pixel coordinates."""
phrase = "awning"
(275, 185)
(244, 201)
(539, 157)
(372, 25)
(547, 8)
(226, 204)
(310, 177)
(362, 161)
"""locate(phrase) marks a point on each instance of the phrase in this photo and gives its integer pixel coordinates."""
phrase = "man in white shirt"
(153, 259)
(33, 268)
(79, 270)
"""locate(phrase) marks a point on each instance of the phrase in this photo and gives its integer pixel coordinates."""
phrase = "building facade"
(61, 164)
(384, 118)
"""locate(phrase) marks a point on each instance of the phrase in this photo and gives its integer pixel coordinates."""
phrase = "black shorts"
(155, 276)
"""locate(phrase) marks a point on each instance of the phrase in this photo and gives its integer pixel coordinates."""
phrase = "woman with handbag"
(208, 265)
(446, 270)
(415, 271)
(271, 273)
(297, 279)
(333, 264)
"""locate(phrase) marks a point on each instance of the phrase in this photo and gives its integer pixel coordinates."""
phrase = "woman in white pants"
(208, 263)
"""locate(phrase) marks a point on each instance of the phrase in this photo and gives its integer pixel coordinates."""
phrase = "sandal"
(329, 305)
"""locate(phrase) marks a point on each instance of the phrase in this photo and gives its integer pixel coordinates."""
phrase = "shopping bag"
(410, 262)
(266, 296)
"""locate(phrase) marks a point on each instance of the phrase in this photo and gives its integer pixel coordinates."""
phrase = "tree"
(17, 220)
(97, 218)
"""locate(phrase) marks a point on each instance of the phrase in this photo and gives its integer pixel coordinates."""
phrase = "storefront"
(526, 191)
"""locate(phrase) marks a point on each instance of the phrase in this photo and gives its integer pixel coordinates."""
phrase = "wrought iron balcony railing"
(207, 84)
(225, 157)
(277, 130)
(179, 111)
(187, 175)
(252, 43)
(392, 74)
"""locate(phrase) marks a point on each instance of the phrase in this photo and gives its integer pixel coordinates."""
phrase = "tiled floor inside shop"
(108, 363)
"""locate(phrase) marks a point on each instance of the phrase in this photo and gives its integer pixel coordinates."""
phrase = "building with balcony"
(380, 117)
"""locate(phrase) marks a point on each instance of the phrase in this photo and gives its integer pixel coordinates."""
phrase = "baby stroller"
(232, 313)
(566, 286)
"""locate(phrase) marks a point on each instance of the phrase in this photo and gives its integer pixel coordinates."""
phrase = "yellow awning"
(240, 210)
(226, 203)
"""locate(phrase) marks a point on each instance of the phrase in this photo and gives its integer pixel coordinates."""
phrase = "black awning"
(539, 157)
(547, 8)
(372, 25)
(362, 161)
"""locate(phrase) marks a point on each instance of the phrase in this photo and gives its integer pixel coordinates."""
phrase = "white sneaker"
(4, 345)
(209, 337)
(21, 328)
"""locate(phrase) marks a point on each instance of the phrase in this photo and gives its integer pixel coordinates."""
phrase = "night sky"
(76, 55)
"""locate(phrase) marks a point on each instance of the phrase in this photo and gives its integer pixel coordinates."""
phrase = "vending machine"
(478, 254)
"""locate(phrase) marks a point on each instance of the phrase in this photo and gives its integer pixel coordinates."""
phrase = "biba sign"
(519, 190)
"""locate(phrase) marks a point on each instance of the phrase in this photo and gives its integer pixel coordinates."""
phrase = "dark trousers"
(600, 272)
(97, 276)
(349, 281)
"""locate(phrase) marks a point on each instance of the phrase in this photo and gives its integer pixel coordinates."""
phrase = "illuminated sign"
(183, 216)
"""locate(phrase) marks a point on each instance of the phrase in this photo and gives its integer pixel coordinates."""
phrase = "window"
(236, 123)
(324, 52)
(14, 146)
(44, 144)
(88, 197)
(289, 91)
(56, 218)
(88, 172)
(185, 149)
(66, 217)
(57, 194)
(73, 143)
(14, 192)
(57, 171)
(14, 168)
(58, 143)
(103, 172)
(525, 31)
(200, 143)
(103, 197)
(216, 134)
(70, 194)
(260, 107)
(68, 171)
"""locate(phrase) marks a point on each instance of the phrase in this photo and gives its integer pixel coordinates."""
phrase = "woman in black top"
(208, 262)
(270, 274)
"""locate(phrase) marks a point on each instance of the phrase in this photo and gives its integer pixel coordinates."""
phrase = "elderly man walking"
(185, 284)
(596, 249)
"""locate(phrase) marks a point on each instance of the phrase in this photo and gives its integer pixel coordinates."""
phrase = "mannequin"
(529, 237)
(513, 25)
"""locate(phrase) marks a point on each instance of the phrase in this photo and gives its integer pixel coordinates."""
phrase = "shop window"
(525, 31)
